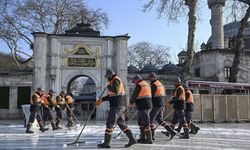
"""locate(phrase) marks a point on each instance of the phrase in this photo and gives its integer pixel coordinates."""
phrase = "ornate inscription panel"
(81, 62)
(82, 55)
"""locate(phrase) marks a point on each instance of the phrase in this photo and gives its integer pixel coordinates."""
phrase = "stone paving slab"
(213, 136)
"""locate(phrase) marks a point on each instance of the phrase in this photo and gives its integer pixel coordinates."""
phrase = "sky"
(126, 16)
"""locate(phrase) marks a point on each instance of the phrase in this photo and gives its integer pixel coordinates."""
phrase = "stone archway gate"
(80, 51)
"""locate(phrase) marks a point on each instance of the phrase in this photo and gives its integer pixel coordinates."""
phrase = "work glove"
(98, 102)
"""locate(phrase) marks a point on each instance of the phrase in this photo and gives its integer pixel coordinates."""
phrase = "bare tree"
(143, 53)
(238, 8)
(19, 18)
(173, 10)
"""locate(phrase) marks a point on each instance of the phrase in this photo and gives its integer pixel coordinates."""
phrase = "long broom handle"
(132, 117)
(65, 114)
(89, 117)
(165, 118)
(72, 113)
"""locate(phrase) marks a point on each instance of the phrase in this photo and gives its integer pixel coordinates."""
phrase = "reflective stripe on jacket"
(120, 91)
(145, 91)
(160, 90)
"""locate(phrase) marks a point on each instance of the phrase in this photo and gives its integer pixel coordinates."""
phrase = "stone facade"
(11, 82)
(215, 64)
(59, 58)
(215, 59)
(81, 51)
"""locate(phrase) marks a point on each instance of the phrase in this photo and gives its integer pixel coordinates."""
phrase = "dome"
(90, 82)
(149, 68)
(132, 69)
(83, 29)
(231, 30)
(170, 68)
(182, 53)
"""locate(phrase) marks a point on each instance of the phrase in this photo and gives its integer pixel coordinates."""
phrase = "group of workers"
(150, 103)
(149, 99)
(42, 106)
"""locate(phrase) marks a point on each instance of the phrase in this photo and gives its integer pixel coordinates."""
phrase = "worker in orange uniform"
(178, 101)
(35, 110)
(142, 98)
(117, 102)
(158, 98)
(189, 109)
(69, 109)
(47, 106)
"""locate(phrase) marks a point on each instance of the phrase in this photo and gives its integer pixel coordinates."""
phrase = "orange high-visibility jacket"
(45, 99)
(182, 95)
(189, 99)
(120, 91)
(160, 91)
(37, 100)
(69, 99)
(145, 91)
(60, 100)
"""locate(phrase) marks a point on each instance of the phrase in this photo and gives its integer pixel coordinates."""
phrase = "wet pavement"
(212, 136)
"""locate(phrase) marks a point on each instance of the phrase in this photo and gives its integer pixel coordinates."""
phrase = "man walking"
(60, 106)
(142, 98)
(70, 108)
(35, 110)
(178, 101)
(47, 106)
(117, 100)
(189, 109)
(158, 97)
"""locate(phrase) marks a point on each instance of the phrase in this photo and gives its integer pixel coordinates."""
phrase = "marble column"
(120, 63)
(39, 60)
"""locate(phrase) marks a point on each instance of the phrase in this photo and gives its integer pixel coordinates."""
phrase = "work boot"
(28, 128)
(179, 128)
(57, 123)
(149, 137)
(54, 127)
(165, 132)
(106, 142)
(142, 137)
(170, 131)
(41, 127)
(194, 129)
(132, 140)
(153, 134)
(70, 124)
(186, 133)
(44, 123)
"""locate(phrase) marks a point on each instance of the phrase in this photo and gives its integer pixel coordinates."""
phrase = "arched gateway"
(81, 51)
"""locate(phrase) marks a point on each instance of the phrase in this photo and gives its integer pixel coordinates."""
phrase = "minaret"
(216, 22)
